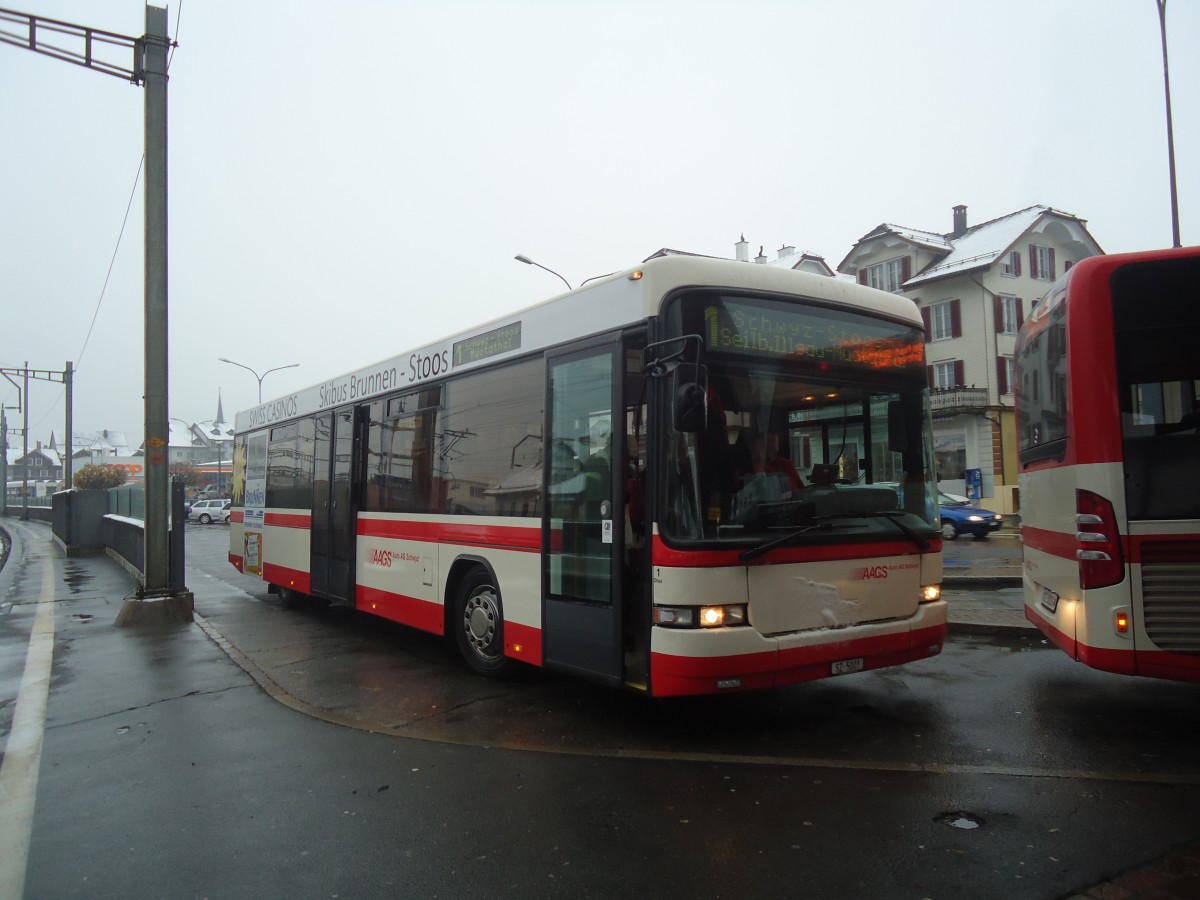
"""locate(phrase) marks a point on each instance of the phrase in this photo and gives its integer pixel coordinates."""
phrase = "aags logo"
(868, 572)
(381, 558)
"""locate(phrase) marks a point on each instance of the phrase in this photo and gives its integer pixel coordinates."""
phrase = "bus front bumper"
(696, 661)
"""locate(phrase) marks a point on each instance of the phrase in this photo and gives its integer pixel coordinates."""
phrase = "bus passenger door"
(581, 530)
(333, 512)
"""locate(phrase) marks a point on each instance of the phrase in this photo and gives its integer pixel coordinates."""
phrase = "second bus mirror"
(689, 398)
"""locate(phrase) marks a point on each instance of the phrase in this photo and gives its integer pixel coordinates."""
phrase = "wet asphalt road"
(168, 771)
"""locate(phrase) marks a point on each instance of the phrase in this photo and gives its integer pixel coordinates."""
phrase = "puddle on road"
(959, 819)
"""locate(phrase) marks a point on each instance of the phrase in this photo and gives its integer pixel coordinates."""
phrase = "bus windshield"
(816, 416)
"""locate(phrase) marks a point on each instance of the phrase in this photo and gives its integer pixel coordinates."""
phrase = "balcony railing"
(956, 401)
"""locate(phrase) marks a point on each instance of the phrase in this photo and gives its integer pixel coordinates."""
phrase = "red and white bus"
(575, 486)
(1108, 396)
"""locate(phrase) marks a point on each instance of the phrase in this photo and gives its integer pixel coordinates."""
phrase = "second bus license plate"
(846, 666)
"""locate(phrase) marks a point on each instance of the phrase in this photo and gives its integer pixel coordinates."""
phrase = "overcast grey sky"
(350, 181)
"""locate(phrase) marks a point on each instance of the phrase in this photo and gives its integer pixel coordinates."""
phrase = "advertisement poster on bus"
(250, 492)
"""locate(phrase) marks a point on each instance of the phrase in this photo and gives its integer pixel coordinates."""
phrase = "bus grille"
(1171, 594)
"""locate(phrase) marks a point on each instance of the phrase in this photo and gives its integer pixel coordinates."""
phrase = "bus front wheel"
(479, 625)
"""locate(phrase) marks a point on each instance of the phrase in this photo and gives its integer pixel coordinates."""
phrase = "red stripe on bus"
(236, 515)
(504, 536)
(664, 555)
(236, 562)
(1150, 663)
(1053, 542)
(672, 676)
(400, 608)
(289, 520)
(523, 642)
(285, 577)
(1165, 548)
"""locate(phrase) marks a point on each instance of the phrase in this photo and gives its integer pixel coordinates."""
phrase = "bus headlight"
(931, 592)
(700, 616)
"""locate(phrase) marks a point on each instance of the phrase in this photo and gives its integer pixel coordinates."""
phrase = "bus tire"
(949, 530)
(290, 598)
(478, 624)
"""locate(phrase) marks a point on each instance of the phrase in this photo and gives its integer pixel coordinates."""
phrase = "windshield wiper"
(750, 554)
(891, 515)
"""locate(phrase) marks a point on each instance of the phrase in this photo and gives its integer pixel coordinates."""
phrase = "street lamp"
(529, 262)
(1162, 28)
(255, 374)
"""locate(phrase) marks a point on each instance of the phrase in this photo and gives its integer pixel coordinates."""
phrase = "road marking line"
(23, 752)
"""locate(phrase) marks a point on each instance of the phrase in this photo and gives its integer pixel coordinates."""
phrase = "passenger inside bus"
(768, 459)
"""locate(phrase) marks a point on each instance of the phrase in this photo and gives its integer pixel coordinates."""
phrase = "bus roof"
(603, 304)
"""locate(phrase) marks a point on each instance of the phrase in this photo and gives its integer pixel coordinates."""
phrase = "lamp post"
(255, 374)
(529, 262)
(1162, 28)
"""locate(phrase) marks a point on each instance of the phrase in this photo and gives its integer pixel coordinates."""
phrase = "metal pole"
(1162, 28)
(69, 462)
(157, 579)
(3, 460)
(25, 445)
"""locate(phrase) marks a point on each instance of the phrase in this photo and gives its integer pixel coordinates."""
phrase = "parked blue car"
(962, 518)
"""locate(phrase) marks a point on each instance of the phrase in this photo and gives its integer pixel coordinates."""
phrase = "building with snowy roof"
(973, 286)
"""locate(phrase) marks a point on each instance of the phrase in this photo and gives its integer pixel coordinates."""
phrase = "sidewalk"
(982, 582)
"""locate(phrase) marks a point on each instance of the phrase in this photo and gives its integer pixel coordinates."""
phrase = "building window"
(1006, 374)
(1041, 262)
(946, 375)
(1010, 314)
(888, 275)
(1012, 264)
(943, 321)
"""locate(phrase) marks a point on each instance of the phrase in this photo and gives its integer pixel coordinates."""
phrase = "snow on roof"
(796, 257)
(924, 238)
(982, 245)
(16, 454)
(114, 442)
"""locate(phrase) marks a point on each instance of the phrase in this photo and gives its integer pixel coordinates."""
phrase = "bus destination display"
(484, 346)
(820, 335)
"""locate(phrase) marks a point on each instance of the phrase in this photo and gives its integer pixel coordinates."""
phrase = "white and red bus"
(1108, 396)
(575, 485)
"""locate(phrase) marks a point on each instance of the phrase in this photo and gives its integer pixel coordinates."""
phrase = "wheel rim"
(481, 620)
(204, 520)
(949, 532)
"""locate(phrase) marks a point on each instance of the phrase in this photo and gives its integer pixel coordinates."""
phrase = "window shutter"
(1016, 255)
(906, 269)
(1001, 375)
(1033, 269)
(998, 314)
(862, 275)
(1050, 253)
(955, 318)
(928, 326)
(959, 375)
(1020, 313)
(929, 372)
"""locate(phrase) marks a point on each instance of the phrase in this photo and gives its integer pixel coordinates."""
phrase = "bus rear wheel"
(290, 598)
(479, 625)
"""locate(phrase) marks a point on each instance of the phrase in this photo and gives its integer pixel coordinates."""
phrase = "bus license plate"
(846, 666)
(1049, 599)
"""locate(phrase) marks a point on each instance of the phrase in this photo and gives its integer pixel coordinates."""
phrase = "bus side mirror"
(897, 427)
(689, 398)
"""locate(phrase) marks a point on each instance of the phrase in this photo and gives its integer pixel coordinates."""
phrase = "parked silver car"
(207, 511)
